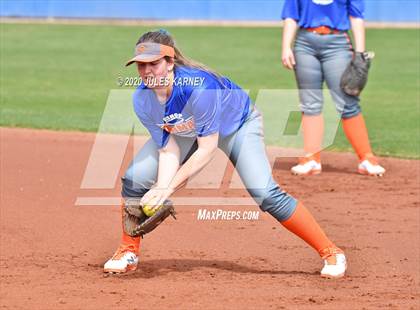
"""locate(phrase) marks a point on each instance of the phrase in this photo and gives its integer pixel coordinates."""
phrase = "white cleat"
(372, 168)
(334, 266)
(121, 262)
(310, 167)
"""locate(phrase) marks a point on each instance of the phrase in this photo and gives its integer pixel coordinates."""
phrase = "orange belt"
(323, 30)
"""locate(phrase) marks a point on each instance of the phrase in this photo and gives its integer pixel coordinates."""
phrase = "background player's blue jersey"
(331, 13)
(200, 104)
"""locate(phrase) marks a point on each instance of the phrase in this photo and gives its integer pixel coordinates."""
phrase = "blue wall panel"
(263, 10)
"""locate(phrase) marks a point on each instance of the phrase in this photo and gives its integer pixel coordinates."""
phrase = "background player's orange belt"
(324, 30)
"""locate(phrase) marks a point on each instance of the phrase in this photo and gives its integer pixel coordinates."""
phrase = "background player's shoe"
(306, 166)
(123, 260)
(370, 166)
(335, 263)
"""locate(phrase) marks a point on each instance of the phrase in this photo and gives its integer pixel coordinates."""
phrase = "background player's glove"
(355, 76)
(137, 223)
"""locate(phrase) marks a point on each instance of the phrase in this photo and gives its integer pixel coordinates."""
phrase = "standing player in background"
(322, 51)
(187, 123)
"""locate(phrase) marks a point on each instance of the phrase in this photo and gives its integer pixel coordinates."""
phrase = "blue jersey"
(200, 104)
(332, 13)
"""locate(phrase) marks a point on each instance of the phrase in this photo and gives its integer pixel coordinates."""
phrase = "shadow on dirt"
(162, 267)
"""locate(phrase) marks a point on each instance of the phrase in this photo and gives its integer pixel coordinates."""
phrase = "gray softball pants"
(319, 58)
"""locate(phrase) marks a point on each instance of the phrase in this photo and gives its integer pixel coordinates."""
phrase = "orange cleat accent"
(370, 166)
(123, 260)
(307, 166)
(335, 263)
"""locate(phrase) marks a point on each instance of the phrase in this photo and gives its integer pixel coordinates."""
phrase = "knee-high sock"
(302, 224)
(313, 131)
(357, 134)
(133, 243)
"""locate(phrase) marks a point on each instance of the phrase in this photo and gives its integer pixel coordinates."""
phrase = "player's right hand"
(288, 59)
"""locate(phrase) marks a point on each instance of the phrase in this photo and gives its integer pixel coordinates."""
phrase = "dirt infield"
(52, 251)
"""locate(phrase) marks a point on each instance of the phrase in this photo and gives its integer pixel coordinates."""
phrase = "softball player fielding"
(187, 123)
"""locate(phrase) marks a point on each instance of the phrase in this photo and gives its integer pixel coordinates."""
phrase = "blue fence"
(263, 10)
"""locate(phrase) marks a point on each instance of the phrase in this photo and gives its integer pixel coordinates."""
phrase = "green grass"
(59, 76)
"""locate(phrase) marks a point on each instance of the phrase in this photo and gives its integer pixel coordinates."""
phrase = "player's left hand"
(155, 197)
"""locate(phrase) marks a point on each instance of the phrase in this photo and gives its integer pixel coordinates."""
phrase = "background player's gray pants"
(245, 148)
(319, 58)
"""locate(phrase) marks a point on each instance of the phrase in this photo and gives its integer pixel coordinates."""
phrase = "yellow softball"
(148, 210)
